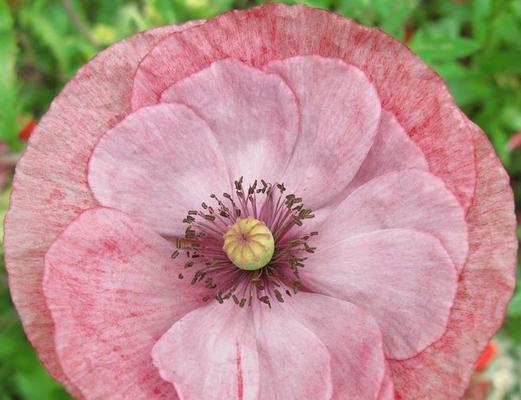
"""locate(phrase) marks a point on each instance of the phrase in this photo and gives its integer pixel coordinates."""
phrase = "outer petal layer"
(113, 291)
(254, 116)
(157, 164)
(407, 88)
(211, 354)
(484, 289)
(340, 111)
(405, 279)
(50, 187)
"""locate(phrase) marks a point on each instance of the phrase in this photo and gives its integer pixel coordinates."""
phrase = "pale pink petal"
(293, 362)
(340, 111)
(254, 116)
(392, 150)
(485, 288)
(514, 142)
(157, 164)
(387, 389)
(211, 354)
(403, 278)
(353, 339)
(407, 88)
(50, 187)
(408, 199)
(113, 290)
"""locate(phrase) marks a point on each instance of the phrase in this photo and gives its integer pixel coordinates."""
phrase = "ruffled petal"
(387, 389)
(407, 88)
(304, 333)
(405, 279)
(113, 290)
(485, 288)
(50, 187)
(293, 362)
(409, 199)
(254, 116)
(157, 164)
(340, 111)
(211, 354)
(392, 150)
(353, 339)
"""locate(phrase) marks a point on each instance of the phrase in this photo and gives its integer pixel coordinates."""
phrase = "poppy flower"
(486, 357)
(514, 142)
(27, 129)
(277, 203)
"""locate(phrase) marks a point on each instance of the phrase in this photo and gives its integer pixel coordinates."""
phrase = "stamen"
(246, 247)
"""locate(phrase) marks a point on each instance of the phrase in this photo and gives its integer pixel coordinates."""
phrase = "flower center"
(249, 244)
(246, 247)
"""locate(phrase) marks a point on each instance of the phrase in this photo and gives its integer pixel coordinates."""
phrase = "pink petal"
(352, 338)
(113, 290)
(294, 363)
(340, 111)
(403, 278)
(484, 290)
(393, 150)
(514, 142)
(254, 116)
(50, 187)
(211, 354)
(387, 389)
(157, 164)
(406, 86)
(411, 199)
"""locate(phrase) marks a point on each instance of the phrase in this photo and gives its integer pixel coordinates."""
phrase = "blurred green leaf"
(23, 374)
(514, 309)
(481, 10)
(10, 106)
(161, 11)
(512, 328)
(318, 3)
(129, 21)
(49, 35)
(391, 15)
(507, 61)
(443, 48)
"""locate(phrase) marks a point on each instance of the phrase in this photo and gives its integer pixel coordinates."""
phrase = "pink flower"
(395, 297)
(27, 129)
(514, 142)
(486, 357)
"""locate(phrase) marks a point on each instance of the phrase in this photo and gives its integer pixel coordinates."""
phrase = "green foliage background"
(474, 45)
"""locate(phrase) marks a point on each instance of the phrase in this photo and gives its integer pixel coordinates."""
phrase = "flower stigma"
(247, 246)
